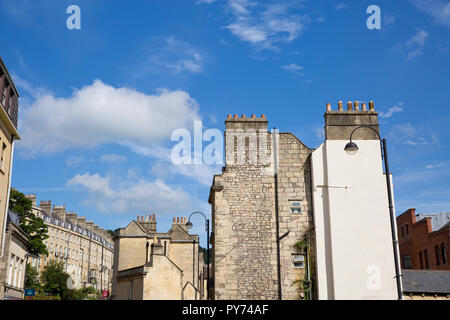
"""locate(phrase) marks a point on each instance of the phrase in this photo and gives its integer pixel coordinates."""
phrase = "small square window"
(299, 260)
(296, 207)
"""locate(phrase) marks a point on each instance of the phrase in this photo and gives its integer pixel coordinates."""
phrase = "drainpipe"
(7, 197)
(277, 222)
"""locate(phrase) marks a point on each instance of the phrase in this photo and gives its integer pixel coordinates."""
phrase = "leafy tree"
(54, 280)
(204, 253)
(111, 232)
(32, 278)
(33, 226)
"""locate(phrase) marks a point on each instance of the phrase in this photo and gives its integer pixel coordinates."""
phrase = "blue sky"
(98, 105)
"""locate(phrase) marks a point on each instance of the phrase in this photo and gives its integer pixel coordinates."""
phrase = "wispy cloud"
(169, 56)
(74, 161)
(293, 68)
(341, 6)
(414, 46)
(113, 158)
(436, 165)
(439, 10)
(265, 25)
(409, 135)
(395, 109)
(204, 1)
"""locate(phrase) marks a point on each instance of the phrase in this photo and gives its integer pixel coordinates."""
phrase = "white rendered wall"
(355, 258)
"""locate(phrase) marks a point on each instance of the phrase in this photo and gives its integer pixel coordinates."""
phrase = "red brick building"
(424, 240)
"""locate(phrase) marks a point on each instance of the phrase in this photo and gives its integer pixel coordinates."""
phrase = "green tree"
(32, 278)
(54, 280)
(204, 253)
(33, 226)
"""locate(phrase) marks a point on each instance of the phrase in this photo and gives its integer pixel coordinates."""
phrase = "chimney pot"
(328, 106)
(178, 219)
(154, 217)
(371, 106)
(340, 106)
(235, 115)
(229, 116)
(364, 107)
(263, 116)
(243, 116)
(174, 220)
(349, 106)
(356, 105)
(253, 116)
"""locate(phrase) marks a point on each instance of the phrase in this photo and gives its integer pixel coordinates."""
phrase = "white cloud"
(174, 56)
(439, 10)
(293, 68)
(74, 161)
(414, 46)
(99, 113)
(341, 6)
(388, 19)
(437, 165)
(113, 158)
(407, 134)
(205, 1)
(111, 196)
(264, 25)
(201, 173)
(392, 110)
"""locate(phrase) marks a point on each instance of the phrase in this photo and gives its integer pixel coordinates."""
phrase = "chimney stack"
(339, 124)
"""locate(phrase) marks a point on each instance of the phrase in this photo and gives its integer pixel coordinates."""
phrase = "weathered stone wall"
(186, 258)
(244, 220)
(163, 280)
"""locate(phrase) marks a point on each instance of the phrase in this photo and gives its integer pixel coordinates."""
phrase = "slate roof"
(426, 281)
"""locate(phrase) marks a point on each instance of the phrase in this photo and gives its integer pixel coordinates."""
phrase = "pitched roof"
(426, 281)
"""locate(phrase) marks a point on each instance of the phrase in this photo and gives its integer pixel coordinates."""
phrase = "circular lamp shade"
(189, 225)
(351, 148)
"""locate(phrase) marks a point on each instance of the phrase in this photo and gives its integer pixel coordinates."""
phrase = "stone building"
(292, 222)
(149, 265)
(424, 240)
(261, 202)
(9, 108)
(15, 260)
(86, 250)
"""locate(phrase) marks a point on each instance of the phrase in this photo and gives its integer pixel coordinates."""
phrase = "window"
(436, 250)
(296, 207)
(421, 260)
(407, 229)
(426, 258)
(444, 253)
(11, 262)
(2, 156)
(5, 87)
(403, 232)
(407, 264)
(299, 260)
